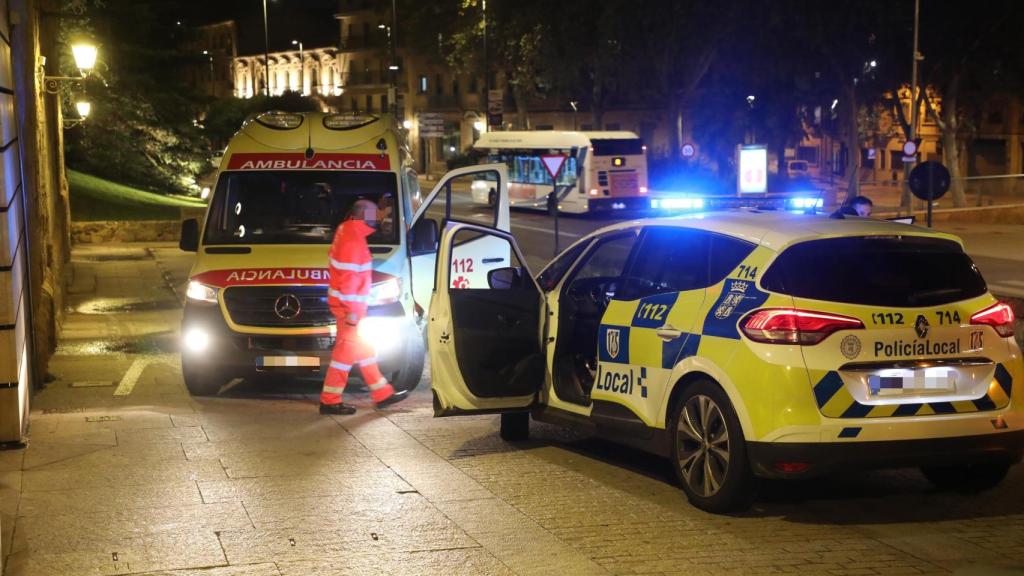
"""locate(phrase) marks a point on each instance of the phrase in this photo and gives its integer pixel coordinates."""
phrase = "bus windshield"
(529, 169)
(296, 207)
(617, 146)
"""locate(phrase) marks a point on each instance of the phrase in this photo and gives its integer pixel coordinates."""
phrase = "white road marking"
(131, 377)
(547, 230)
(1006, 289)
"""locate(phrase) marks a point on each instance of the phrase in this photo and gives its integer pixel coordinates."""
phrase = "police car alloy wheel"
(709, 451)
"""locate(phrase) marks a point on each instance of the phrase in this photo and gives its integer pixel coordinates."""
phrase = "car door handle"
(667, 333)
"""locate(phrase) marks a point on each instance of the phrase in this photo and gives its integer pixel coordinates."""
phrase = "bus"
(603, 171)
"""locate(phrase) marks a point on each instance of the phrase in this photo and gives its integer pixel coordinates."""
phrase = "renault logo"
(921, 326)
(287, 306)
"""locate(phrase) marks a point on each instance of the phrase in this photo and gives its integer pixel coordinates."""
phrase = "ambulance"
(744, 345)
(256, 302)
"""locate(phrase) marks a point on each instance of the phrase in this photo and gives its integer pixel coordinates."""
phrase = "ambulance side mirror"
(189, 241)
(423, 237)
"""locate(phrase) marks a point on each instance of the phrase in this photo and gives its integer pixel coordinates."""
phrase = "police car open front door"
(484, 341)
(475, 194)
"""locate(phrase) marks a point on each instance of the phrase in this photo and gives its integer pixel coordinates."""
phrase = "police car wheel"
(967, 477)
(515, 426)
(709, 452)
(201, 382)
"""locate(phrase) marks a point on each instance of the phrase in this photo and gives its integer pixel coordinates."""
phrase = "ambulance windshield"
(297, 207)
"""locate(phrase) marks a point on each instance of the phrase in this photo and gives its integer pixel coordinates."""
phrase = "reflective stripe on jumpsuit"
(347, 297)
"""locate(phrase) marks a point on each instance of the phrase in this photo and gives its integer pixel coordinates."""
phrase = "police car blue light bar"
(805, 203)
(677, 203)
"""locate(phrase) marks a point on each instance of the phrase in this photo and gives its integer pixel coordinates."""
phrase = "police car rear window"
(898, 271)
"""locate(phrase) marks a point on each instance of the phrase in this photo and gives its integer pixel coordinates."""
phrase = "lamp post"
(210, 58)
(266, 53)
(302, 68)
(85, 60)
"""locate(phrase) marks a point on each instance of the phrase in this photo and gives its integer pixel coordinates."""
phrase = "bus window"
(617, 146)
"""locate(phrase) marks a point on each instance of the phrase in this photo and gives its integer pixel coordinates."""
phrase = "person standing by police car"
(351, 269)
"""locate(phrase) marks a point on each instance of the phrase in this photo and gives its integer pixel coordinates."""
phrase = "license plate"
(897, 382)
(287, 361)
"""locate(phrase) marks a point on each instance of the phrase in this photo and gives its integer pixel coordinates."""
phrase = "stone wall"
(133, 231)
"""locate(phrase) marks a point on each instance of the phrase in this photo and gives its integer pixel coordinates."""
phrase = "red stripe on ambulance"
(272, 276)
(298, 161)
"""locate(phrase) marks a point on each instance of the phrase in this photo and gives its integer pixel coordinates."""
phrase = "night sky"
(311, 21)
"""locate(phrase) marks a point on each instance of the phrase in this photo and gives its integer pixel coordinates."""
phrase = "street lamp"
(85, 60)
(302, 68)
(575, 107)
(85, 57)
(210, 58)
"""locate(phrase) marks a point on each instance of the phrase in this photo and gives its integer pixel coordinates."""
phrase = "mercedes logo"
(287, 306)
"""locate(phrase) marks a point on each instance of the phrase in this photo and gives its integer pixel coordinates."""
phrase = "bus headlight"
(196, 340)
(384, 333)
(201, 292)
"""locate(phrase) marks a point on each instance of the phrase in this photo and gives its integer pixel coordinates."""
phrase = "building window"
(369, 103)
(473, 87)
(383, 102)
(437, 85)
(613, 126)
(455, 87)
(423, 85)
(867, 157)
(808, 154)
(995, 117)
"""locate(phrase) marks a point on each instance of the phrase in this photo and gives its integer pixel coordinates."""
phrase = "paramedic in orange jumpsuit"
(348, 295)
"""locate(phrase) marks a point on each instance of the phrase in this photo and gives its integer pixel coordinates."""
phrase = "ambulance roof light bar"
(279, 120)
(348, 120)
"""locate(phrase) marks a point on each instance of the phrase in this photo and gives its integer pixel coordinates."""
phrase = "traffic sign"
(495, 102)
(431, 124)
(909, 152)
(553, 163)
(689, 150)
(929, 180)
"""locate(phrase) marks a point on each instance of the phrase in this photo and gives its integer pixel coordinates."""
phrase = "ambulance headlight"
(196, 340)
(386, 292)
(384, 333)
(198, 292)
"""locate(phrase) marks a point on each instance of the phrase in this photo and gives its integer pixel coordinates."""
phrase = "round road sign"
(927, 176)
(909, 148)
(689, 150)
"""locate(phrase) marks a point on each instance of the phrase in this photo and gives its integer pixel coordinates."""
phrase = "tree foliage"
(143, 129)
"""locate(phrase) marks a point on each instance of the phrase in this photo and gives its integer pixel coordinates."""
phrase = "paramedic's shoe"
(394, 398)
(337, 409)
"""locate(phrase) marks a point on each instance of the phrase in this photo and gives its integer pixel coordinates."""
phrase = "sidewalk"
(124, 473)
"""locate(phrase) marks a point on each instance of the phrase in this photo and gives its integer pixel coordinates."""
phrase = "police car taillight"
(999, 316)
(792, 326)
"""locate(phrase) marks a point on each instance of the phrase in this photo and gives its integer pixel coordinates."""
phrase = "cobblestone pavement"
(124, 473)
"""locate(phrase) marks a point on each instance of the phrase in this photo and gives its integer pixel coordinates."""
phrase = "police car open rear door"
(452, 199)
(485, 341)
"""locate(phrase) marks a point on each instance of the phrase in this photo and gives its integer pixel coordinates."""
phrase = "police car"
(741, 346)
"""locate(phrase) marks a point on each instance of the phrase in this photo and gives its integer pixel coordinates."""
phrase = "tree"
(143, 129)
